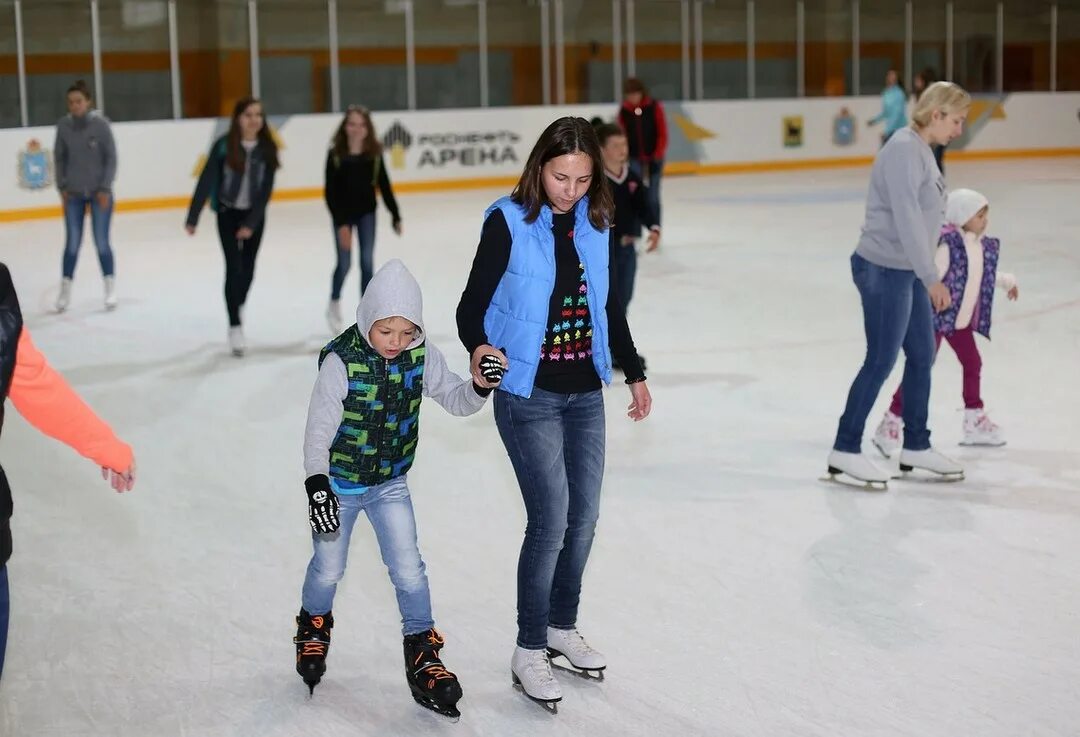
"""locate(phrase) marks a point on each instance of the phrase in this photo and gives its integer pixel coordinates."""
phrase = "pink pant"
(963, 344)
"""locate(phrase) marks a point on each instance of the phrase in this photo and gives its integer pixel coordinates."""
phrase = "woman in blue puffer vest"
(541, 296)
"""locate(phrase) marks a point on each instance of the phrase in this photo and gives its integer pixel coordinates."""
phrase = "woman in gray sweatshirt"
(85, 167)
(893, 268)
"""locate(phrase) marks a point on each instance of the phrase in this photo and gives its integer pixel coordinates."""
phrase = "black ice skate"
(312, 646)
(432, 685)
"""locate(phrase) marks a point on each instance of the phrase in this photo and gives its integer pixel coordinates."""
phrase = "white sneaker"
(572, 646)
(888, 438)
(333, 317)
(531, 670)
(980, 430)
(930, 460)
(64, 298)
(236, 341)
(857, 466)
(110, 293)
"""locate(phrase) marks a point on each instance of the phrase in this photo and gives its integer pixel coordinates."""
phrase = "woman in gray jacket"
(85, 167)
(893, 268)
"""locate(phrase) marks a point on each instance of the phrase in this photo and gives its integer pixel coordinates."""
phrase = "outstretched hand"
(120, 482)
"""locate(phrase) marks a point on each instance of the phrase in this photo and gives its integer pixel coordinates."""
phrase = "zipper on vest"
(384, 414)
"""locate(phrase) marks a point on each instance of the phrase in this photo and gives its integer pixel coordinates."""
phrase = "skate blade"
(853, 483)
(589, 674)
(551, 706)
(982, 445)
(927, 476)
(449, 711)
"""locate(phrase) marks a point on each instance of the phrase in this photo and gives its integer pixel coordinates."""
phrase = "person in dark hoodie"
(48, 403)
(359, 444)
(85, 161)
(238, 179)
(645, 124)
(354, 170)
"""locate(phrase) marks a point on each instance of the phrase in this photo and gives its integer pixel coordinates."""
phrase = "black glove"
(491, 368)
(322, 504)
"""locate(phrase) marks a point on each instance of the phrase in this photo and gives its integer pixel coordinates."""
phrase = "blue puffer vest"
(517, 319)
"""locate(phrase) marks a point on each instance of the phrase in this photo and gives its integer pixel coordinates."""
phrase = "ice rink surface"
(732, 592)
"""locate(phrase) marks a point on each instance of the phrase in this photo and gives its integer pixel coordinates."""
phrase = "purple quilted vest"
(956, 279)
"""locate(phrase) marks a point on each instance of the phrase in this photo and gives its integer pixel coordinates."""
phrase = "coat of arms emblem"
(34, 167)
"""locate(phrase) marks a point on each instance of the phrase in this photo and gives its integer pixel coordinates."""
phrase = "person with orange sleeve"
(645, 124)
(46, 401)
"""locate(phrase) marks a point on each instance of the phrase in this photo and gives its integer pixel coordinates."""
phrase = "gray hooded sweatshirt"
(85, 154)
(392, 292)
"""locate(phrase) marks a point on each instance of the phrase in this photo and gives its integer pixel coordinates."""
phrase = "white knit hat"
(962, 205)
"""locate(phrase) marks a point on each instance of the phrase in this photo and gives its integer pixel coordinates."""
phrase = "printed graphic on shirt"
(570, 338)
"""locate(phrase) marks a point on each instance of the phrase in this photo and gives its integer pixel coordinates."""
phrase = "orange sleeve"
(48, 402)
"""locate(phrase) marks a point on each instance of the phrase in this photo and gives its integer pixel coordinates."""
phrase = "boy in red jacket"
(646, 131)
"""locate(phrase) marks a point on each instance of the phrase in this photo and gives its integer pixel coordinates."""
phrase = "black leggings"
(239, 259)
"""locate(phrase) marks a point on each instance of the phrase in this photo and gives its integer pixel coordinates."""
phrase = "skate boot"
(531, 674)
(980, 430)
(64, 298)
(888, 437)
(569, 644)
(932, 461)
(333, 317)
(237, 344)
(858, 467)
(312, 646)
(432, 685)
(110, 293)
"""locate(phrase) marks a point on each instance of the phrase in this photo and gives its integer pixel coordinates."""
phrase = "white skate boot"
(585, 661)
(64, 298)
(888, 438)
(333, 317)
(858, 467)
(932, 461)
(980, 430)
(531, 673)
(236, 341)
(110, 293)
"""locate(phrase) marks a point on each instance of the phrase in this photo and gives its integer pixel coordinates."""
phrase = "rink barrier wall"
(439, 150)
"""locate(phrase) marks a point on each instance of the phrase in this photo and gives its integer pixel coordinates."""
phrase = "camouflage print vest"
(376, 441)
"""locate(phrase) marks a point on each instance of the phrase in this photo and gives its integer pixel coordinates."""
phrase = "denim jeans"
(896, 314)
(625, 272)
(655, 171)
(74, 219)
(5, 599)
(390, 511)
(556, 445)
(365, 234)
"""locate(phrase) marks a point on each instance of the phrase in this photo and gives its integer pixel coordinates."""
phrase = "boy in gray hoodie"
(85, 154)
(360, 441)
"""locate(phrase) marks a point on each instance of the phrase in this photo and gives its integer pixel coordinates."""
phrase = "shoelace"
(539, 668)
(579, 646)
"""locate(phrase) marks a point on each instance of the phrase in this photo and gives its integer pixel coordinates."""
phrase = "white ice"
(732, 591)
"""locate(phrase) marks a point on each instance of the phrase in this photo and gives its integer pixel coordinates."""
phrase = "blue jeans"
(896, 314)
(656, 170)
(5, 600)
(625, 271)
(390, 511)
(365, 234)
(556, 445)
(100, 219)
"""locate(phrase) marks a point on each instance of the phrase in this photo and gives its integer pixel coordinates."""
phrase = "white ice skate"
(943, 468)
(858, 467)
(531, 673)
(64, 298)
(236, 341)
(887, 439)
(584, 660)
(333, 317)
(110, 293)
(980, 430)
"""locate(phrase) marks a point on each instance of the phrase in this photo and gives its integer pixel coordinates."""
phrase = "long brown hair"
(371, 143)
(234, 152)
(565, 136)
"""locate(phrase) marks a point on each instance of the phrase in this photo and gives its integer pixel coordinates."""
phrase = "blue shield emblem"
(35, 169)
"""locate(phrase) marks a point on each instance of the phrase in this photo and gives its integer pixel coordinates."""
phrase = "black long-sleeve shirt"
(566, 365)
(350, 187)
(632, 206)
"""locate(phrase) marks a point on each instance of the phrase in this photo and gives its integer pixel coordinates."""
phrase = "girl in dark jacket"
(354, 169)
(238, 179)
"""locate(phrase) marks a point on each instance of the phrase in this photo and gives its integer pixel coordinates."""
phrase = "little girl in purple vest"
(967, 262)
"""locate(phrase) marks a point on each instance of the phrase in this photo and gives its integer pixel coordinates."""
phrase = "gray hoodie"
(905, 207)
(392, 292)
(85, 154)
